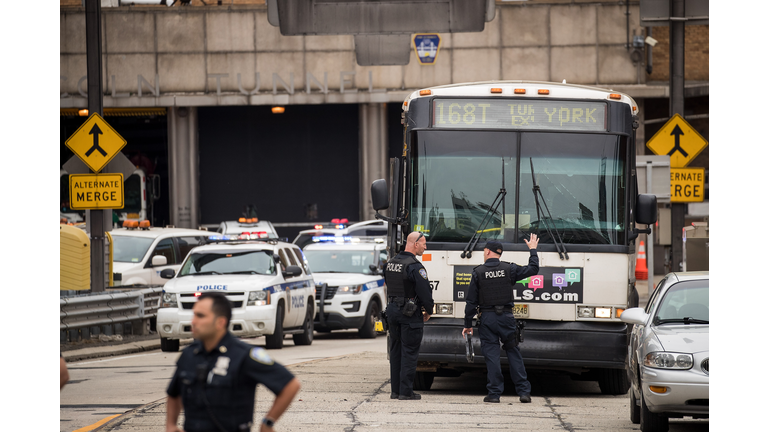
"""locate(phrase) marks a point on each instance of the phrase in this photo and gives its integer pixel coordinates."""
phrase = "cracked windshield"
(457, 176)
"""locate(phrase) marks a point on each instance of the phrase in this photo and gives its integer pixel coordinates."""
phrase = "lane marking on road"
(97, 424)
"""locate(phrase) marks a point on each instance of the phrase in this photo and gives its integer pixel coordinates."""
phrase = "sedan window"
(685, 302)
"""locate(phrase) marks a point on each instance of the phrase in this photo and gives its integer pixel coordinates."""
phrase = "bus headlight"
(443, 309)
(169, 300)
(595, 312)
(258, 298)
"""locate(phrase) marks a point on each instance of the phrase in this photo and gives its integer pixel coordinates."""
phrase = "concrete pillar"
(373, 153)
(183, 167)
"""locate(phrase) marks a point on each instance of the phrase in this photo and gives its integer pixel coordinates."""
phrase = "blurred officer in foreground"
(63, 372)
(490, 289)
(216, 376)
(409, 292)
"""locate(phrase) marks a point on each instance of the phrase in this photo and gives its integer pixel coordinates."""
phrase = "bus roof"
(556, 91)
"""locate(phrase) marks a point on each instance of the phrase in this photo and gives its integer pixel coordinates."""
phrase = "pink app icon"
(536, 282)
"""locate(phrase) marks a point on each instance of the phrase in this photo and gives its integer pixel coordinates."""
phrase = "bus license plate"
(520, 311)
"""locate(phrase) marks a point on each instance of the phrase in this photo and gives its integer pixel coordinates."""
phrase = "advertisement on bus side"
(551, 285)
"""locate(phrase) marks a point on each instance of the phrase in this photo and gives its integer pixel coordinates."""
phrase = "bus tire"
(613, 381)
(169, 345)
(275, 340)
(423, 380)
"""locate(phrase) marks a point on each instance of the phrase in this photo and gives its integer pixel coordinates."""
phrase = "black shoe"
(525, 398)
(413, 396)
(491, 399)
(393, 395)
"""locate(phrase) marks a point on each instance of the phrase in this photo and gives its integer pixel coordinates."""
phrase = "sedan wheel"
(651, 422)
(634, 408)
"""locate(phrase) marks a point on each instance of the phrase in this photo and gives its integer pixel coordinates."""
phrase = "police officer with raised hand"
(409, 292)
(216, 376)
(490, 289)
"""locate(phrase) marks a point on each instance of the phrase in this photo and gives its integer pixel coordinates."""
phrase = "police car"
(349, 282)
(141, 252)
(339, 228)
(268, 282)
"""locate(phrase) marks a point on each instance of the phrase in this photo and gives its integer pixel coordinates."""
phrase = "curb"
(115, 350)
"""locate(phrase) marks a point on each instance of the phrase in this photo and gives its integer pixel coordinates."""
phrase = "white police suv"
(268, 282)
(349, 282)
(370, 228)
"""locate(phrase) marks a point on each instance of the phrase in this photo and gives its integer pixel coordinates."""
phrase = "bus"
(499, 161)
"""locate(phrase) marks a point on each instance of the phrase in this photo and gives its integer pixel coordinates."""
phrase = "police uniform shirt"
(515, 274)
(256, 368)
(418, 275)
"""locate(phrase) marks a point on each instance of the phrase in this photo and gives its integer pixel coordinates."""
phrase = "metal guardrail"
(108, 308)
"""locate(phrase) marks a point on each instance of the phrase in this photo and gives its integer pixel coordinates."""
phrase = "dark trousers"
(405, 335)
(498, 332)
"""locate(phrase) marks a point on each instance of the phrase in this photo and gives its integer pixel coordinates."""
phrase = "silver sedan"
(668, 359)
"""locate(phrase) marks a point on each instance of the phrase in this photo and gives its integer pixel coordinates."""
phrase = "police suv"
(349, 282)
(370, 228)
(268, 282)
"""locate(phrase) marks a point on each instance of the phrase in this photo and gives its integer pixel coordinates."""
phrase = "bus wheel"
(613, 381)
(423, 380)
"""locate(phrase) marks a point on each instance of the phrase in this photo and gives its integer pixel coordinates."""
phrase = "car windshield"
(129, 249)
(249, 262)
(685, 302)
(340, 261)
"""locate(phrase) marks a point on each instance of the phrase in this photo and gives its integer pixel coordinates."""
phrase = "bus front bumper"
(547, 345)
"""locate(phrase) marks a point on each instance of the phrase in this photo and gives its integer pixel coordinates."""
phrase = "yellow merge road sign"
(687, 184)
(96, 191)
(678, 140)
(95, 142)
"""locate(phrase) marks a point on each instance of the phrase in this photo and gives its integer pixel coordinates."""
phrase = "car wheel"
(275, 340)
(169, 345)
(368, 330)
(634, 408)
(309, 330)
(613, 381)
(651, 422)
(423, 380)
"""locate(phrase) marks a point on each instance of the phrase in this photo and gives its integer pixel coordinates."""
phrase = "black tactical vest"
(396, 277)
(231, 398)
(494, 285)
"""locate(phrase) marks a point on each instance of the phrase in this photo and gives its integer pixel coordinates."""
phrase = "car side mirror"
(374, 269)
(634, 316)
(168, 273)
(159, 260)
(292, 271)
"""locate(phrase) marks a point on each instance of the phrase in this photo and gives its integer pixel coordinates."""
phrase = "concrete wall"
(194, 55)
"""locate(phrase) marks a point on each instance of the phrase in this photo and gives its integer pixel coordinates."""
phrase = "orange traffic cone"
(641, 268)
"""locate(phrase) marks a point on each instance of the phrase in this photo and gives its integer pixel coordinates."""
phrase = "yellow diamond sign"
(678, 140)
(95, 142)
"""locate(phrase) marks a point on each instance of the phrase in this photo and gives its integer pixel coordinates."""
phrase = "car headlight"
(169, 300)
(349, 289)
(668, 360)
(258, 298)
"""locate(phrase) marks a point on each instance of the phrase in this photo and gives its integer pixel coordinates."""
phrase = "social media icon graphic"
(573, 275)
(559, 280)
(536, 282)
(524, 281)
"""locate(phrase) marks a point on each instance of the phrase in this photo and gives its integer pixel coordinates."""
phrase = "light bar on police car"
(333, 239)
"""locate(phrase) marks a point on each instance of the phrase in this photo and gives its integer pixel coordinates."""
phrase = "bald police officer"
(216, 376)
(408, 292)
(490, 290)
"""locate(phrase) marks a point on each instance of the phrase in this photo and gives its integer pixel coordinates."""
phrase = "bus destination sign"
(519, 114)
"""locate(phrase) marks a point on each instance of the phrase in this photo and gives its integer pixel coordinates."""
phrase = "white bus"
(499, 161)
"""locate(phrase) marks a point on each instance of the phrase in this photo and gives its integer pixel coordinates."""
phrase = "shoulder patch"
(261, 356)
(423, 273)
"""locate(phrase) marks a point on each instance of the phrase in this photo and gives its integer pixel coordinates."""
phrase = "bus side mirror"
(379, 195)
(645, 209)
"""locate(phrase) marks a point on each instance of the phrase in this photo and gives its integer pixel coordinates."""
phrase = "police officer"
(491, 289)
(216, 376)
(409, 292)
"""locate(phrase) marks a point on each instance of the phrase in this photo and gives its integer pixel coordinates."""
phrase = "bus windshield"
(458, 174)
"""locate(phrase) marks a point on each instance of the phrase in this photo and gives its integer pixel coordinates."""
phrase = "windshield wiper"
(244, 272)
(686, 320)
(204, 273)
(492, 209)
(558, 241)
